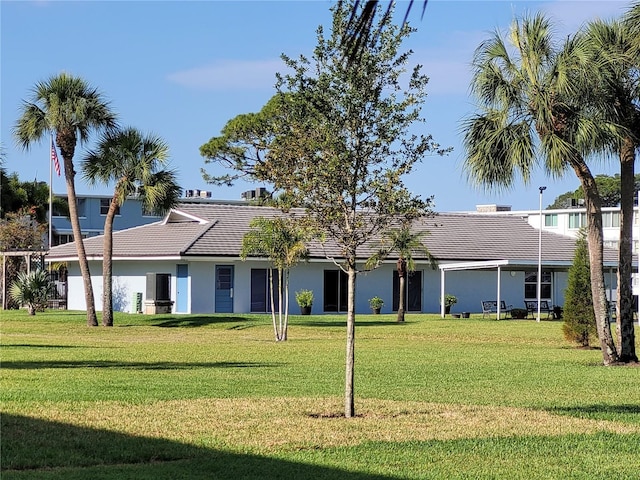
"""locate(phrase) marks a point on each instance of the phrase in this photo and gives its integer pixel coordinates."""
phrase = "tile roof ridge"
(206, 227)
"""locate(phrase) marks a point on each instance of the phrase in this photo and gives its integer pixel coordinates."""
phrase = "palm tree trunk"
(107, 266)
(624, 318)
(69, 174)
(402, 275)
(595, 242)
(349, 402)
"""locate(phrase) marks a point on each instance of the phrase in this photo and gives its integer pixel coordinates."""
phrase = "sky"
(182, 69)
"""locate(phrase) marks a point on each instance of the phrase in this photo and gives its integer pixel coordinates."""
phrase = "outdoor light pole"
(542, 189)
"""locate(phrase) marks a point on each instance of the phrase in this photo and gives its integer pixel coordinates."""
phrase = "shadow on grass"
(45, 450)
(359, 323)
(625, 412)
(199, 321)
(20, 365)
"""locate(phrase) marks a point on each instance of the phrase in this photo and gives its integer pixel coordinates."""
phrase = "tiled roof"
(452, 237)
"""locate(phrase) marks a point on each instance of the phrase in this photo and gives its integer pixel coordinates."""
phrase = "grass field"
(201, 397)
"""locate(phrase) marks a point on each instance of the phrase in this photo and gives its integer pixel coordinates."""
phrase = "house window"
(551, 220)
(260, 295)
(412, 291)
(104, 206)
(531, 286)
(610, 219)
(577, 220)
(81, 204)
(159, 286)
(335, 291)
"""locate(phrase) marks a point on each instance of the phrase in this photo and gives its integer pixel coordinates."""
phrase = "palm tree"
(31, 289)
(70, 108)
(406, 244)
(611, 74)
(132, 161)
(283, 242)
(531, 110)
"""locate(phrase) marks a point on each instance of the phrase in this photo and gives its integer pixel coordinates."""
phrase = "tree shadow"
(35, 365)
(199, 321)
(359, 323)
(46, 450)
(624, 412)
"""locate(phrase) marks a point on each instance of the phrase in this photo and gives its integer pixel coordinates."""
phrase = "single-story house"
(190, 262)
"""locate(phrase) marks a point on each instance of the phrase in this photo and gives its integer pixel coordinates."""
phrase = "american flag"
(54, 158)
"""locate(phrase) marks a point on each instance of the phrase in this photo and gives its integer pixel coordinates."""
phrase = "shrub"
(304, 298)
(31, 289)
(579, 319)
(376, 302)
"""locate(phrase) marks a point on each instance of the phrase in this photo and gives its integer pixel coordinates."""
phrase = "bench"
(532, 308)
(491, 306)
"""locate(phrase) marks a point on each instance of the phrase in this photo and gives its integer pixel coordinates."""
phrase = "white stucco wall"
(470, 286)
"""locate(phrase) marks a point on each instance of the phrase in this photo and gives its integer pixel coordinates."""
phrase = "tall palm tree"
(72, 109)
(531, 112)
(132, 161)
(613, 88)
(406, 244)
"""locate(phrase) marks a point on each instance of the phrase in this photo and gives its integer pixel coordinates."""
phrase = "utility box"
(136, 303)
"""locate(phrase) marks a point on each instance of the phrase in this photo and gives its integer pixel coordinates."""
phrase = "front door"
(224, 289)
(182, 288)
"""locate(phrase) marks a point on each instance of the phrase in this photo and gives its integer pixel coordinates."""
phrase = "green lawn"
(211, 396)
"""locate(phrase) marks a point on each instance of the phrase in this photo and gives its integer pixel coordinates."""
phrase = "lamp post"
(542, 189)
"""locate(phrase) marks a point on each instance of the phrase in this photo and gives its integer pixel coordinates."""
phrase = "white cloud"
(231, 75)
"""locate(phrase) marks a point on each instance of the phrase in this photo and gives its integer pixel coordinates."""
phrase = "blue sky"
(181, 70)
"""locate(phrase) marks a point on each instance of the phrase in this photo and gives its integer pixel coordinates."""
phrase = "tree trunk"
(273, 305)
(595, 241)
(349, 402)
(624, 316)
(107, 265)
(402, 276)
(69, 174)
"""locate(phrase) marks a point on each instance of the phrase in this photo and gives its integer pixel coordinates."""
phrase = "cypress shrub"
(579, 318)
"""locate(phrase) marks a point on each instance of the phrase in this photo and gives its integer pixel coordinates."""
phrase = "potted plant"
(376, 304)
(449, 300)
(305, 301)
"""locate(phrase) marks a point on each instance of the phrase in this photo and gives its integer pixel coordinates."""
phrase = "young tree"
(282, 241)
(132, 161)
(579, 320)
(530, 110)
(70, 108)
(406, 244)
(341, 144)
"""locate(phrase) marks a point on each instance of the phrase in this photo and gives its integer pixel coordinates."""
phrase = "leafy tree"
(31, 289)
(132, 161)
(532, 110)
(19, 231)
(579, 320)
(608, 188)
(339, 145)
(70, 108)
(282, 241)
(406, 244)
(612, 78)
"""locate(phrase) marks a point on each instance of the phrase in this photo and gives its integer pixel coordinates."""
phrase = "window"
(577, 220)
(82, 207)
(104, 206)
(335, 291)
(159, 286)
(531, 286)
(260, 296)
(412, 291)
(610, 219)
(551, 220)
